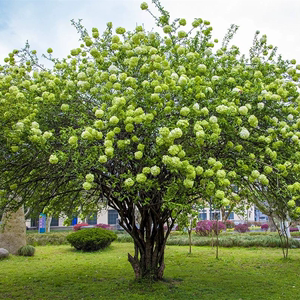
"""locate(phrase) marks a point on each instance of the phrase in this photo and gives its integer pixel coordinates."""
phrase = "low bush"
(264, 227)
(27, 250)
(124, 238)
(175, 233)
(234, 240)
(261, 233)
(43, 239)
(296, 233)
(205, 228)
(79, 225)
(92, 239)
(293, 229)
(254, 228)
(254, 223)
(104, 226)
(229, 224)
(241, 228)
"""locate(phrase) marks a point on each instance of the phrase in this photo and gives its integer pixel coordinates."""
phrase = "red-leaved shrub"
(229, 224)
(293, 229)
(241, 228)
(205, 228)
(264, 227)
(104, 226)
(79, 225)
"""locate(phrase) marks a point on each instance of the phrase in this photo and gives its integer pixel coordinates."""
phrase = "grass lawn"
(59, 272)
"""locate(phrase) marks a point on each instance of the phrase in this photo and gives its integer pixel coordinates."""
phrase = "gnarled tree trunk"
(149, 236)
(149, 244)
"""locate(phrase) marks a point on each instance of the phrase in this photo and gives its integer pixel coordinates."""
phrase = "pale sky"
(46, 23)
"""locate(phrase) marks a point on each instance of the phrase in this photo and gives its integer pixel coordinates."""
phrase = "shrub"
(229, 224)
(296, 233)
(221, 226)
(293, 229)
(124, 238)
(37, 239)
(175, 233)
(27, 250)
(242, 228)
(235, 240)
(92, 239)
(104, 226)
(205, 228)
(79, 225)
(254, 223)
(264, 227)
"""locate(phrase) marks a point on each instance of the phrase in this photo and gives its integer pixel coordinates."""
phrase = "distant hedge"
(250, 239)
(43, 239)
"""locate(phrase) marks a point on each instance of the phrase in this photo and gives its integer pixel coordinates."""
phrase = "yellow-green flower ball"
(53, 159)
(138, 155)
(87, 185)
(89, 177)
(155, 170)
(64, 107)
(144, 6)
(102, 159)
(219, 194)
(129, 182)
(140, 178)
(188, 183)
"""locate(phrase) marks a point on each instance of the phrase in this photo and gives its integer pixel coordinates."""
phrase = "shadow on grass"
(61, 272)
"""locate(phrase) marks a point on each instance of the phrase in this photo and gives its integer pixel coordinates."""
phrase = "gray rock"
(3, 253)
(13, 235)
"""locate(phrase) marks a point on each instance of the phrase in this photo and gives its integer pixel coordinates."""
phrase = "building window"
(54, 222)
(202, 215)
(112, 217)
(231, 216)
(92, 219)
(215, 215)
(34, 222)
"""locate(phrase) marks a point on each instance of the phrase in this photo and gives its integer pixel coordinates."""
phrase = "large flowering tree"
(149, 123)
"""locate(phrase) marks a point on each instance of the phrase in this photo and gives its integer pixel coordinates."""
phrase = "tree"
(187, 221)
(146, 122)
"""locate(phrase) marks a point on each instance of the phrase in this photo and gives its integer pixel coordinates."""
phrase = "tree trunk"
(48, 223)
(147, 230)
(190, 240)
(148, 261)
(217, 249)
(272, 225)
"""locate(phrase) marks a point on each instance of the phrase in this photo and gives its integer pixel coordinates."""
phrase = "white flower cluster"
(222, 109)
(244, 133)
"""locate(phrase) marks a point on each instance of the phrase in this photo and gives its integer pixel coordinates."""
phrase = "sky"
(46, 23)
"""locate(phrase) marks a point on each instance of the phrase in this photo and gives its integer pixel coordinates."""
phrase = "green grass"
(59, 272)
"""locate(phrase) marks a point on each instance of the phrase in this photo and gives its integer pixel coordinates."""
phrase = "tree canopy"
(149, 123)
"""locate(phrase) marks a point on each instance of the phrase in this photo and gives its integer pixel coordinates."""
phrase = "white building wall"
(102, 217)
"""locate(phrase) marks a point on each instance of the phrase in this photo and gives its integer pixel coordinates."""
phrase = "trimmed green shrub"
(91, 239)
(27, 250)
